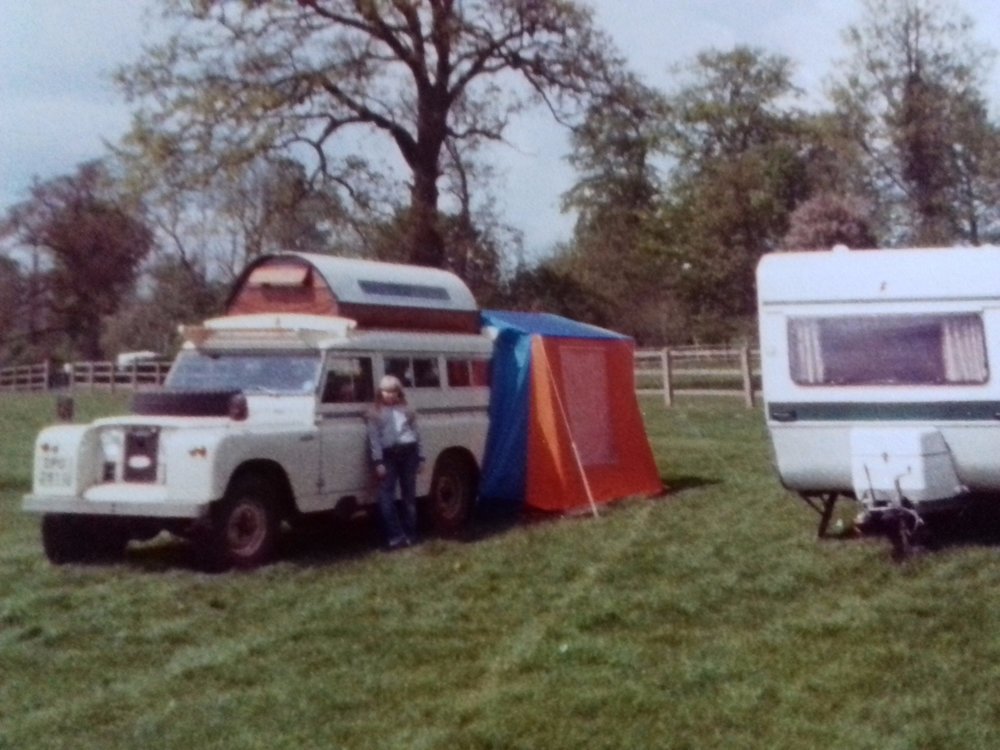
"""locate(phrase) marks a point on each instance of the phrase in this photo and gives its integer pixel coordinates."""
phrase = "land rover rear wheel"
(453, 492)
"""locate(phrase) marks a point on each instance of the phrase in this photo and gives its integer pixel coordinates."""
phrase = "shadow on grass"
(976, 524)
(686, 482)
(322, 542)
(330, 540)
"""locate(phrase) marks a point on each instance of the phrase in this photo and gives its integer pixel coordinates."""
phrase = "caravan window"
(888, 349)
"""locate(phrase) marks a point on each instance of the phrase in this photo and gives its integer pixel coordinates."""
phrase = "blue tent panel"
(545, 324)
(505, 459)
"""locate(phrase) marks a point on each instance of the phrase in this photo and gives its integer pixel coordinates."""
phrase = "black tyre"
(453, 494)
(245, 525)
(80, 539)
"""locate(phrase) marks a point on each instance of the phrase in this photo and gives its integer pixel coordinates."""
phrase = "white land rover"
(261, 422)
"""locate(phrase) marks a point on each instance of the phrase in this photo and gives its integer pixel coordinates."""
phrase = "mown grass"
(710, 618)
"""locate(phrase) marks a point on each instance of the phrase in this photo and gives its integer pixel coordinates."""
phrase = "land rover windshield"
(250, 372)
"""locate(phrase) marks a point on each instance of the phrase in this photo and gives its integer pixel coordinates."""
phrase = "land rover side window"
(348, 380)
(251, 372)
(464, 373)
(414, 372)
(922, 349)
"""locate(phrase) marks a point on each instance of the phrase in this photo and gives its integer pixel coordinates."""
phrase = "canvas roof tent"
(373, 294)
(565, 428)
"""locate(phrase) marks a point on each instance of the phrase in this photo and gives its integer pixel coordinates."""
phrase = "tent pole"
(572, 440)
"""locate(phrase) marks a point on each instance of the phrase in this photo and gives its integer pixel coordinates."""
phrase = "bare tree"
(240, 78)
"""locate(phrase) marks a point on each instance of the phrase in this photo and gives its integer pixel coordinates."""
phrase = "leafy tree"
(172, 294)
(15, 318)
(92, 242)
(615, 247)
(547, 288)
(828, 219)
(242, 78)
(911, 94)
(740, 169)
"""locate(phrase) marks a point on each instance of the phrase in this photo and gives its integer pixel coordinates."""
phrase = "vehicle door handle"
(306, 438)
(784, 415)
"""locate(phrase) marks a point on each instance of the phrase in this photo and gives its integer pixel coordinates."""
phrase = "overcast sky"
(57, 105)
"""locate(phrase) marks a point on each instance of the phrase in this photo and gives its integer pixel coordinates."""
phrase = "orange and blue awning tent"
(566, 432)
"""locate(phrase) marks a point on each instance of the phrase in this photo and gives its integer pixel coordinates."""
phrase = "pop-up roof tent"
(373, 294)
(565, 428)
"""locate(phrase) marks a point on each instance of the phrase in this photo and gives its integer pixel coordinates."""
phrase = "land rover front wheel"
(453, 492)
(245, 525)
(73, 539)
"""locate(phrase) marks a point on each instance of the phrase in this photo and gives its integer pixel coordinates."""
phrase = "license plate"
(55, 471)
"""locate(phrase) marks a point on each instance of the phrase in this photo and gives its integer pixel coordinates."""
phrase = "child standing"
(397, 456)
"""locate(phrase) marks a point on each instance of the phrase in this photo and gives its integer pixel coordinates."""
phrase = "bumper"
(109, 501)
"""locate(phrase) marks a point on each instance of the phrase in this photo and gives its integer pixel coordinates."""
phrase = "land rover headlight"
(112, 445)
(112, 450)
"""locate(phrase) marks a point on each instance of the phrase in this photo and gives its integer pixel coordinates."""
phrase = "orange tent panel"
(586, 443)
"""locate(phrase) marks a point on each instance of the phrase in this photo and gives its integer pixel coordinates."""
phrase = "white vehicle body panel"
(185, 463)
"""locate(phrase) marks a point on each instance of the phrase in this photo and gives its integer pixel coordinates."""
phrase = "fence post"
(668, 381)
(65, 407)
(747, 372)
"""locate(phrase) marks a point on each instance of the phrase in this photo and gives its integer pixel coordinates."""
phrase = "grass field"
(710, 618)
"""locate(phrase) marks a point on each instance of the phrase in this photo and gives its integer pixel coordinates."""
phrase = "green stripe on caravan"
(863, 411)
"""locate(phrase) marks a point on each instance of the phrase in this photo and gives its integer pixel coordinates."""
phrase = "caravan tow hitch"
(895, 517)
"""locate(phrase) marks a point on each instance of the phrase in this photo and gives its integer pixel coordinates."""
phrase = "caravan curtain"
(963, 349)
(805, 351)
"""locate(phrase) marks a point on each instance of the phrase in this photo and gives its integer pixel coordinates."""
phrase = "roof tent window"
(281, 275)
(409, 291)
(888, 350)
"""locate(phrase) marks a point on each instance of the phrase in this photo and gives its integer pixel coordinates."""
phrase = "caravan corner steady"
(879, 371)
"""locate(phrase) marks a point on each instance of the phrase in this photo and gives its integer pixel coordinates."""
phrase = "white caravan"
(881, 378)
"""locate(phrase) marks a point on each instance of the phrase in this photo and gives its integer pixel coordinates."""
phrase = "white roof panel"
(842, 275)
(353, 280)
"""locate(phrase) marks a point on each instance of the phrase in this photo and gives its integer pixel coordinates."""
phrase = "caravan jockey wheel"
(905, 530)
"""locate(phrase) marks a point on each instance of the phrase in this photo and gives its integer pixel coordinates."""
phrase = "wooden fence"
(705, 371)
(699, 370)
(106, 376)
